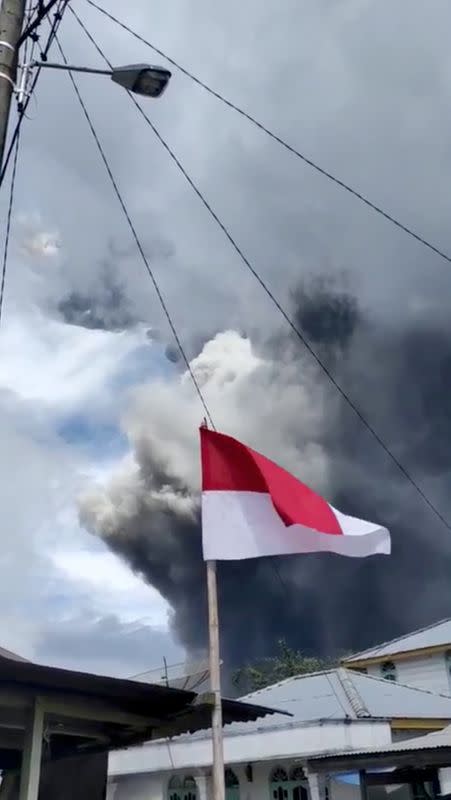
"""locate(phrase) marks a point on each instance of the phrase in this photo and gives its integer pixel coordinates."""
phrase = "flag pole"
(215, 681)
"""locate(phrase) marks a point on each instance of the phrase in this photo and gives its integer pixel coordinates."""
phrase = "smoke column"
(270, 394)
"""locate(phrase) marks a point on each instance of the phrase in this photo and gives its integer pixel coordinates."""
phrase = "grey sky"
(360, 87)
(335, 79)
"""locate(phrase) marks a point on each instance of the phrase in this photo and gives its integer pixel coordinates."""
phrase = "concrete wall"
(155, 787)
(428, 672)
(138, 787)
(193, 752)
(445, 780)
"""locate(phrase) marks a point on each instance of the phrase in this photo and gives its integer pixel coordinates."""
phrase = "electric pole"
(12, 14)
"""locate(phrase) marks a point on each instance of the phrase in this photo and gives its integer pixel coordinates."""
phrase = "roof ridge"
(355, 699)
(396, 639)
(297, 677)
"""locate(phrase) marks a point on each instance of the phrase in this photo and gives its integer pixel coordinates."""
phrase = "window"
(279, 775)
(182, 789)
(297, 779)
(230, 778)
(279, 784)
(300, 793)
(189, 788)
(232, 785)
(284, 787)
(448, 663)
(175, 788)
(388, 671)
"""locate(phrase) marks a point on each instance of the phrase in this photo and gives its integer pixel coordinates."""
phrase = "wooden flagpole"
(215, 680)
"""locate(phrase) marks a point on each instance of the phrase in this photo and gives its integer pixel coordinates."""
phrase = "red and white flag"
(251, 507)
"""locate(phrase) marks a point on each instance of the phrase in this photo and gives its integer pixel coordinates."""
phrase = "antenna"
(166, 676)
(188, 675)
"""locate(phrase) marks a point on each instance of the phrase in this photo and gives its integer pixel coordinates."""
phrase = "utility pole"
(12, 14)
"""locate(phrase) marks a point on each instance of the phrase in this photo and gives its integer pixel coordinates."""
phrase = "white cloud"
(61, 367)
(111, 585)
(242, 391)
(35, 241)
(53, 574)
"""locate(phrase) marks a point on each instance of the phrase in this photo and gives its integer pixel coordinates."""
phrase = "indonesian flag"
(251, 507)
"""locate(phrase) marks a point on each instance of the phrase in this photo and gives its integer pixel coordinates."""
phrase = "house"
(421, 659)
(57, 726)
(414, 768)
(332, 711)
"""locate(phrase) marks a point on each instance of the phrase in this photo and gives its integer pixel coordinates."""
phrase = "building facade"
(421, 659)
(332, 711)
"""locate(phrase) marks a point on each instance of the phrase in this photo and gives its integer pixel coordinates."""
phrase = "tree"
(286, 663)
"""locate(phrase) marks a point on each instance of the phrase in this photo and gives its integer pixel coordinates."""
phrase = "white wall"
(138, 787)
(427, 672)
(143, 773)
(445, 780)
(343, 791)
(155, 787)
(278, 743)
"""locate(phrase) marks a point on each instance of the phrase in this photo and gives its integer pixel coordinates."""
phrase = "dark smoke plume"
(277, 400)
(105, 308)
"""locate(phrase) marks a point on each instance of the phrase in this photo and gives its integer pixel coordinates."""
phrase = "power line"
(137, 241)
(29, 13)
(298, 333)
(42, 13)
(108, 62)
(354, 192)
(8, 225)
(22, 112)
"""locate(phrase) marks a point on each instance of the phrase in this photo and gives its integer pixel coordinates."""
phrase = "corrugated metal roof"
(394, 700)
(317, 696)
(340, 694)
(430, 741)
(10, 655)
(136, 711)
(153, 700)
(438, 634)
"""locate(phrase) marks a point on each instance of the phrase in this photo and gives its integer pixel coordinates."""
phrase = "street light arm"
(71, 68)
(142, 79)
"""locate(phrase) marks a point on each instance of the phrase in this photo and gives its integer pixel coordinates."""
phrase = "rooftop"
(12, 656)
(434, 748)
(329, 709)
(336, 695)
(85, 712)
(436, 635)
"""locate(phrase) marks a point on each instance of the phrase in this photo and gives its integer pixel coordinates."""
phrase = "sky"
(361, 89)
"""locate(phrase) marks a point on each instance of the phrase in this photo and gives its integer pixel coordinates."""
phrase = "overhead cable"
(296, 330)
(8, 226)
(43, 11)
(342, 184)
(137, 241)
(22, 112)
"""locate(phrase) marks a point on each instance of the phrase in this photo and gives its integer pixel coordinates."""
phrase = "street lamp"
(143, 79)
